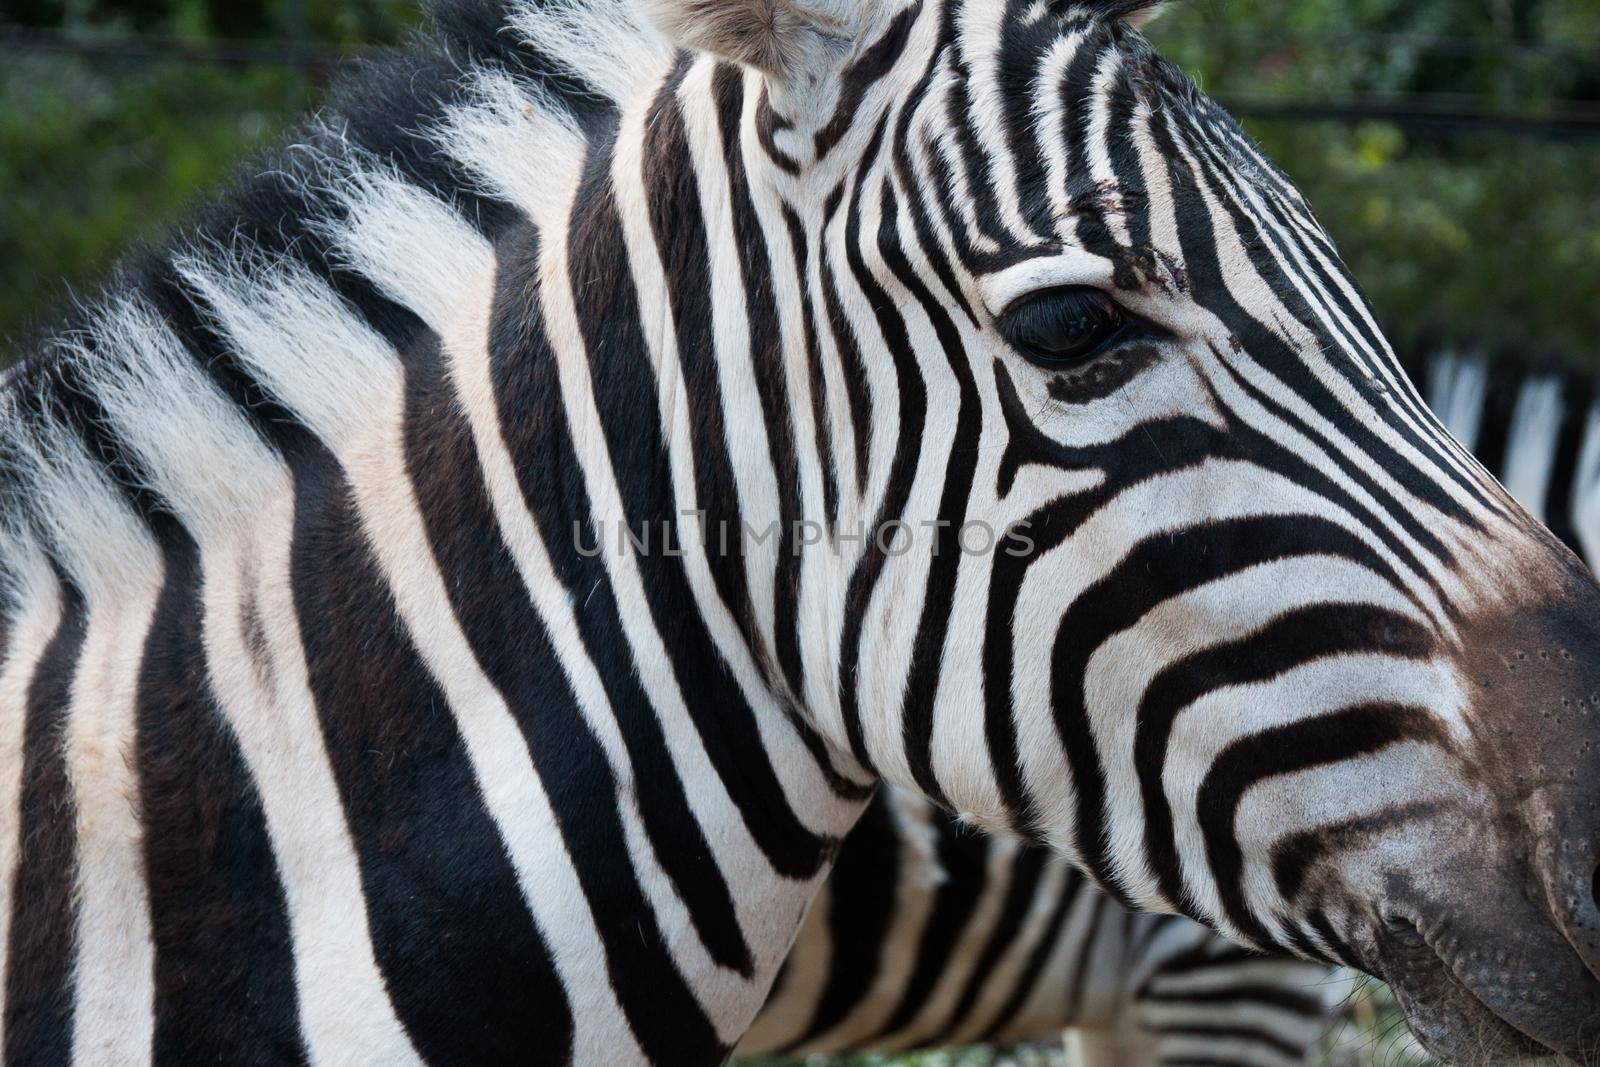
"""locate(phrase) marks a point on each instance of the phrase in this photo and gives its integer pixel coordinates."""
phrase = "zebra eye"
(1062, 327)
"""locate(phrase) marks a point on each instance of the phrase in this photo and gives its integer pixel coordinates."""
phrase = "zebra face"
(1250, 636)
(1254, 640)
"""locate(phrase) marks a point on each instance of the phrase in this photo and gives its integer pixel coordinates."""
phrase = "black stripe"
(875, 64)
(913, 393)
(1297, 249)
(488, 599)
(215, 896)
(916, 191)
(1026, 869)
(852, 366)
(1291, 640)
(1166, 565)
(768, 123)
(820, 414)
(1168, 444)
(963, 857)
(1323, 741)
(1341, 949)
(981, 182)
(1499, 406)
(427, 847)
(673, 193)
(864, 896)
(525, 381)
(1268, 450)
(1293, 856)
(772, 386)
(1204, 956)
(1577, 403)
(1271, 352)
(927, 655)
(1244, 995)
(1232, 1032)
(1079, 98)
(1127, 162)
(625, 393)
(1044, 947)
(224, 957)
(38, 1008)
(1080, 970)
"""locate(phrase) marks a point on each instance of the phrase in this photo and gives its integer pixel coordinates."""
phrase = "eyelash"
(1063, 327)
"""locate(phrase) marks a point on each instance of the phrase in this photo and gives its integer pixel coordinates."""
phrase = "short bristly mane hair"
(486, 72)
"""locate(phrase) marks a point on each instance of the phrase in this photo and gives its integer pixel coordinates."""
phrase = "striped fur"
(934, 937)
(381, 687)
(1537, 431)
(928, 936)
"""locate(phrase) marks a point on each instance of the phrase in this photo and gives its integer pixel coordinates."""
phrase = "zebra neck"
(601, 387)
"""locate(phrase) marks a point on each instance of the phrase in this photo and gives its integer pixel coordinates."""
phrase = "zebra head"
(1138, 542)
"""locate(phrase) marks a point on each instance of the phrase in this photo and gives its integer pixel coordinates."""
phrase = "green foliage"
(99, 151)
(1496, 243)
(1490, 239)
(91, 160)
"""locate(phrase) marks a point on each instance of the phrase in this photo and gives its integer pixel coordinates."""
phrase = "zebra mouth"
(1456, 1014)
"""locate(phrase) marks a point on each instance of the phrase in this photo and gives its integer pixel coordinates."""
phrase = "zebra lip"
(1507, 1011)
(1440, 1008)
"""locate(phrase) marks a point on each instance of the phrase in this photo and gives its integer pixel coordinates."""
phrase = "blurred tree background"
(1451, 146)
(1462, 180)
(115, 115)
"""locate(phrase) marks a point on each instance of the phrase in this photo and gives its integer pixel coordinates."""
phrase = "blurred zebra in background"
(938, 936)
(931, 935)
(1538, 431)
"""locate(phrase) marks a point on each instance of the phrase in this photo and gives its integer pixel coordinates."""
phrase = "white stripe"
(976, 929)
(1457, 388)
(769, 905)
(1531, 444)
(1002, 979)
(34, 613)
(117, 569)
(602, 42)
(388, 220)
(113, 1022)
(288, 316)
(345, 1011)
(236, 497)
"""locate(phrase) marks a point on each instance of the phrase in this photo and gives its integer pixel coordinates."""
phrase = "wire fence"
(1428, 113)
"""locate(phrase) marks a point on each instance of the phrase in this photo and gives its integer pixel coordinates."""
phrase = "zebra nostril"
(1594, 887)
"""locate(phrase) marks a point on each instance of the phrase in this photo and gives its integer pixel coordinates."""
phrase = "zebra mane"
(462, 128)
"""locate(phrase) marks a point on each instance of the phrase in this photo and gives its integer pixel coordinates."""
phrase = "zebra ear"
(1141, 15)
(790, 40)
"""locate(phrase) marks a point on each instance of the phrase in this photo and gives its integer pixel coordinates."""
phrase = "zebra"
(928, 935)
(1538, 431)
(356, 716)
(1003, 949)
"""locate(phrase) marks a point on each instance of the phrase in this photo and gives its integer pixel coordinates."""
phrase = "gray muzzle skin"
(1493, 944)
